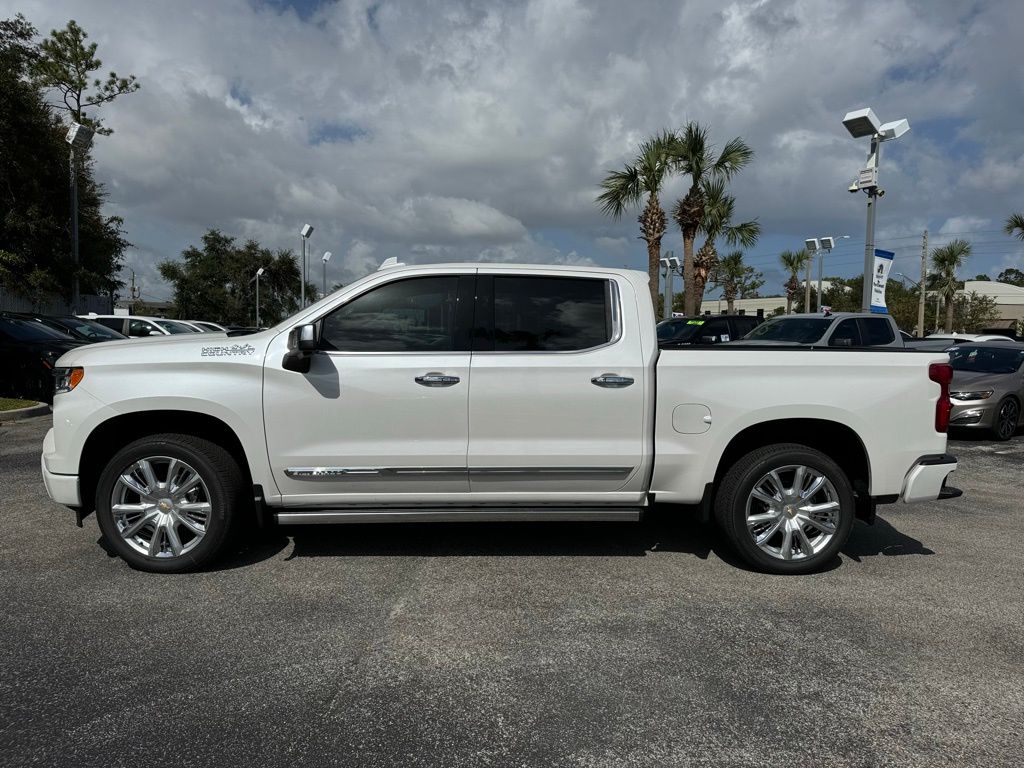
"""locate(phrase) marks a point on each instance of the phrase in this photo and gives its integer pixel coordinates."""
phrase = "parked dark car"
(988, 387)
(79, 328)
(28, 351)
(704, 329)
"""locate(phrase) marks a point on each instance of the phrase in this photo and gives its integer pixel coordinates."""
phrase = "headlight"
(977, 394)
(66, 379)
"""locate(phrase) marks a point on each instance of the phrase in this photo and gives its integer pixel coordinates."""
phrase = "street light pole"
(670, 264)
(326, 258)
(258, 273)
(304, 233)
(861, 123)
(79, 137)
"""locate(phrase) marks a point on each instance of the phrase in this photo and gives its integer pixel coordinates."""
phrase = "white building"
(1008, 298)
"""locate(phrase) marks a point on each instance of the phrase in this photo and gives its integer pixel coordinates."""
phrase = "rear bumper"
(61, 488)
(926, 480)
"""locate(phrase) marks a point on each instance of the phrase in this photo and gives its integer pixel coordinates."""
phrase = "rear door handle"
(611, 380)
(435, 379)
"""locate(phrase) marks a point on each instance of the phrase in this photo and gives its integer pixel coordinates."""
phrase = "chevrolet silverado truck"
(489, 392)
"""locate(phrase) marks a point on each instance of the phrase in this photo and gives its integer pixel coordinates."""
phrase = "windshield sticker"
(234, 349)
(695, 322)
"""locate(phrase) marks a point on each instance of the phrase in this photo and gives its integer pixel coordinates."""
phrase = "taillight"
(942, 374)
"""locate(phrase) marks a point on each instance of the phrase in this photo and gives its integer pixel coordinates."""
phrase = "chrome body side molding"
(457, 514)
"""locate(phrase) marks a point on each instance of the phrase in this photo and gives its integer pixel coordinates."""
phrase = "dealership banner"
(880, 276)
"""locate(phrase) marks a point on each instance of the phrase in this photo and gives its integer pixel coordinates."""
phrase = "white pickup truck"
(488, 392)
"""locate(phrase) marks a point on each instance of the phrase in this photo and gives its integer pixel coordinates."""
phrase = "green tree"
(735, 278)
(215, 282)
(717, 222)
(66, 63)
(641, 183)
(1012, 275)
(35, 242)
(1014, 226)
(982, 277)
(793, 262)
(946, 260)
(973, 312)
(694, 156)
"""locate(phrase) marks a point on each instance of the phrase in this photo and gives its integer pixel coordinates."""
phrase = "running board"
(456, 515)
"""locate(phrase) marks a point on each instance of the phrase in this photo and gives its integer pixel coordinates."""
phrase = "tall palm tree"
(1015, 226)
(646, 176)
(946, 260)
(717, 222)
(694, 156)
(793, 262)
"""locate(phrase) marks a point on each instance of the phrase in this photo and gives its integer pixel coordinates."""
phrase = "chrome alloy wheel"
(160, 506)
(1006, 420)
(792, 512)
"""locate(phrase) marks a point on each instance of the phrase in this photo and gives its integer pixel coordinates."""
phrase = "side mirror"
(302, 343)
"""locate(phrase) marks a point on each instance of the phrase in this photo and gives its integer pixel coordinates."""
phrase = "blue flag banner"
(879, 277)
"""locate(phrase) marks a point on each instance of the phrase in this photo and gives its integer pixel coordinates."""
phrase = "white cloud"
(469, 129)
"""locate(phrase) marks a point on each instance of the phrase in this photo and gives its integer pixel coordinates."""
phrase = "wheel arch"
(117, 431)
(837, 441)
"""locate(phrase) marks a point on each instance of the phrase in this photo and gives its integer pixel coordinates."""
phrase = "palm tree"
(627, 188)
(1015, 226)
(793, 262)
(717, 222)
(946, 260)
(694, 156)
(734, 277)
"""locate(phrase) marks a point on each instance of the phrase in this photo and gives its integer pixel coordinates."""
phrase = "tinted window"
(986, 359)
(845, 334)
(84, 329)
(744, 325)
(142, 328)
(28, 330)
(172, 327)
(416, 315)
(877, 332)
(115, 323)
(550, 314)
(802, 330)
(681, 330)
(713, 331)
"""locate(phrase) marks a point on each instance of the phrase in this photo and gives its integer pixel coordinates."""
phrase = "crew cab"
(489, 392)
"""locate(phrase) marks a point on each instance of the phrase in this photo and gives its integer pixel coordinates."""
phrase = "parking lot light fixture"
(80, 138)
(861, 123)
(326, 257)
(258, 273)
(819, 246)
(305, 232)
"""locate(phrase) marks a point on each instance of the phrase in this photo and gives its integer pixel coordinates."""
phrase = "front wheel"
(1007, 417)
(167, 503)
(787, 508)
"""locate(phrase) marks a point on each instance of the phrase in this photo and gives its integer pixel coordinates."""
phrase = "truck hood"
(199, 347)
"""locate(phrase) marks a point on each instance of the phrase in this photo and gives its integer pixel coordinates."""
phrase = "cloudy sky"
(464, 129)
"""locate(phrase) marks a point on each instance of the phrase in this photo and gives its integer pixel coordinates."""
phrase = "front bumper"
(63, 489)
(926, 480)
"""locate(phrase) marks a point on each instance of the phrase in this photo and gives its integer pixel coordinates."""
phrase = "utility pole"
(924, 278)
(134, 296)
(807, 286)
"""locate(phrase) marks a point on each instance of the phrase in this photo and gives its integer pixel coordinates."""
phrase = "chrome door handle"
(611, 380)
(435, 379)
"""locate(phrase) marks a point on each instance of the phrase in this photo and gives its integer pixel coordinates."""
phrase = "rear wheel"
(787, 508)
(167, 503)
(1007, 417)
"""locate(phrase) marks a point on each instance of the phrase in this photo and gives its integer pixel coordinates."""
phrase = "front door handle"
(612, 381)
(435, 379)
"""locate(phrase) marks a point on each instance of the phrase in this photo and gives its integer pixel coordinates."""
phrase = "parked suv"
(137, 326)
(842, 329)
(705, 329)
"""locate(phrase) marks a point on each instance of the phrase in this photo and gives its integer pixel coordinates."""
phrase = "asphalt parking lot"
(548, 645)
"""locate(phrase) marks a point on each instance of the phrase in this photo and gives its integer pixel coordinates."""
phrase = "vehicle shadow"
(658, 532)
(881, 539)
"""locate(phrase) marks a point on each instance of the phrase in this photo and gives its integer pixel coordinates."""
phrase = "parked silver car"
(988, 386)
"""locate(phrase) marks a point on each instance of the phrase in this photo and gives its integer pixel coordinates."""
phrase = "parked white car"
(490, 392)
(137, 326)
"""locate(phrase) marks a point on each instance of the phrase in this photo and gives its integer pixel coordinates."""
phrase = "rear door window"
(714, 331)
(551, 314)
(846, 334)
(114, 323)
(877, 332)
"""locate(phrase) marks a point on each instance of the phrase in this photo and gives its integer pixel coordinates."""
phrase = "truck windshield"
(172, 327)
(800, 330)
(681, 329)
(986, 359)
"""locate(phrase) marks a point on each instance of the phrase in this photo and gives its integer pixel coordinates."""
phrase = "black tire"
(224, 485)
(1006, 419)
(738, 484)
